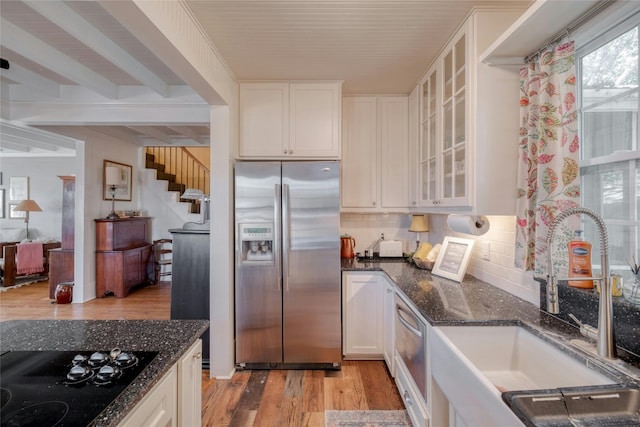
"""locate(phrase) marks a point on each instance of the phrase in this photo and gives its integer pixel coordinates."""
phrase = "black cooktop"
(64, 388)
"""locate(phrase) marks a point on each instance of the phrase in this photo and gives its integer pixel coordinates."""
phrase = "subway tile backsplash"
(498, 270)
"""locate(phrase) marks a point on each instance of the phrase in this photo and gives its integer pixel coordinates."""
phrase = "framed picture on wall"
(123, 186)
(453, 258)
(13, 214)
(18, 188)
(2, 215)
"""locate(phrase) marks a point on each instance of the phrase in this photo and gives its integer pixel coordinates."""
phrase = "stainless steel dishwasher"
(411, 335)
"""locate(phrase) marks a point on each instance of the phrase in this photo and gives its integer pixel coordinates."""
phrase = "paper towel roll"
(474, 225)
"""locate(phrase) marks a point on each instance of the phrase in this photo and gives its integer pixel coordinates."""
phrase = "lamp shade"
(112, 176)
(419, 223)
(192, 194)
(28, 206)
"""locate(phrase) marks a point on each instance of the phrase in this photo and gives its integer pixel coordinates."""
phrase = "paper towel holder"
(480, 221)
(475, 225)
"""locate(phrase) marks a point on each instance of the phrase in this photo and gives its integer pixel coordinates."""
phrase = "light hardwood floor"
(250, 398)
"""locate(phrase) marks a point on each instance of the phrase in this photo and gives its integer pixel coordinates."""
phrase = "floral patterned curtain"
(548, 173)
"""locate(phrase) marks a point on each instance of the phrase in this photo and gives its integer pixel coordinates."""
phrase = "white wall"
(44, 187)
(498, 271)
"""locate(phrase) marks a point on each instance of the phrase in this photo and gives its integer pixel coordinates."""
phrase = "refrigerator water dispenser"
(256, 243)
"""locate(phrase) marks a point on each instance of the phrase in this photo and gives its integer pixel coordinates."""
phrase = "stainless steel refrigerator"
(287, 255)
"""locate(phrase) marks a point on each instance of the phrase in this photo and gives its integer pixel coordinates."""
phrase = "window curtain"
(548, 172)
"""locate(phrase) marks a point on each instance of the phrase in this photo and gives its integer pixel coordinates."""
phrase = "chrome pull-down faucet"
(605, 333)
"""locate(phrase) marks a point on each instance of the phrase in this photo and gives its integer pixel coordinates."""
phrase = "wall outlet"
(485, 251)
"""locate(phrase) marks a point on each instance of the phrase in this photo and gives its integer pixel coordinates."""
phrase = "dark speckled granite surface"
(172, 338)
(474, 302)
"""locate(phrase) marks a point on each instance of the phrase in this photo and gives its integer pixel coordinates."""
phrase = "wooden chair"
(162, 258)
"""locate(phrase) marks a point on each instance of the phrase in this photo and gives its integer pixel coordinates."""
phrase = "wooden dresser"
(123, 255)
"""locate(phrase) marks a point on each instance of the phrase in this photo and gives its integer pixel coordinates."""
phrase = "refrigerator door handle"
(277, 208)
(286, 236)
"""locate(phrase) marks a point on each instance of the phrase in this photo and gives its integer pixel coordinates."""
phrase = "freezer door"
(258, 291)
(311, 262)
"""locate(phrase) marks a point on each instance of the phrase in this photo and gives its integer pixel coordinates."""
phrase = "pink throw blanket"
(29, 258)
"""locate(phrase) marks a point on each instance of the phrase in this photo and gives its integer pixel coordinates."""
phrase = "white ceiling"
(72, 64)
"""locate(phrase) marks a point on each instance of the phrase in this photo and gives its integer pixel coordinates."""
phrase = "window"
(607, 72)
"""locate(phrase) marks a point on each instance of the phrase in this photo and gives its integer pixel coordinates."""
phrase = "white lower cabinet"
(388, 325)
(176, 400)
(159, 408)
(362, 326)
(413, 401)
(190, 387)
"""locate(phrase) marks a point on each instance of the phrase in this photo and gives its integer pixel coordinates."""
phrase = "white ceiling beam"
(118, 132)
(20, 41)
(26, 142)
(188, 132)
(30, 79)
(153, 132)
(146, 114)
(208, 76)
(21, 132)
(15, 146)
(74, 24)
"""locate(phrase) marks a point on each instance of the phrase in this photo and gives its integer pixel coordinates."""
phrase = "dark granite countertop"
(172, 338)
(473, 302)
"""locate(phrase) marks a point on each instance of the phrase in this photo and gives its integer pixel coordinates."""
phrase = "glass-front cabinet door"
(429, 170)
(444, 140)
(454, 138)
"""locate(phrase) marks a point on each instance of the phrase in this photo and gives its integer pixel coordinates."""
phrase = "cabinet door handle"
(407, 397)
(198, 355)
(373, 203)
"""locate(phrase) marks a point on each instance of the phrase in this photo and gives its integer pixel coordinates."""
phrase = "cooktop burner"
(64, 388)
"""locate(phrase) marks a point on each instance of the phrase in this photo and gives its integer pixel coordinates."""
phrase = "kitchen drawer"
(413, 401)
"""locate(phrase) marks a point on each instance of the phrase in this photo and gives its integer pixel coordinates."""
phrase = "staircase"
(180, 170)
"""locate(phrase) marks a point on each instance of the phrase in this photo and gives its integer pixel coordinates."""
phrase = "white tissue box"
(391, 248)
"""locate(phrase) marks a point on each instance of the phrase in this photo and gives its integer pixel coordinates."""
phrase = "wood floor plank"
(345, 392)
(313, 391)
(218, 409)
(252, 394)
(313, 419)
(242, 418)
(269, 413)
(291, 414)
(293, 384)
(380, 390)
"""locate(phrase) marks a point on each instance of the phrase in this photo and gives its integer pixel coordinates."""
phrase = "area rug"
(367, 419)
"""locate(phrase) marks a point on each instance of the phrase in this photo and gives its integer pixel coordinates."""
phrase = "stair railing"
(179, 162)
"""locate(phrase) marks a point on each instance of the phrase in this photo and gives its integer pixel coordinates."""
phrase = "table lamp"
(113, 179)
(418, 225)
(27, 206)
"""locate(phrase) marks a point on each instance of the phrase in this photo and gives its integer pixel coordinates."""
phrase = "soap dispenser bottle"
(580, 261)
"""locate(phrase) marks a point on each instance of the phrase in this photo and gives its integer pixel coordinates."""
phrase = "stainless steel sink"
(602, 407)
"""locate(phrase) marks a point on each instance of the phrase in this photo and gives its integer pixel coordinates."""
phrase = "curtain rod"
(571, 27)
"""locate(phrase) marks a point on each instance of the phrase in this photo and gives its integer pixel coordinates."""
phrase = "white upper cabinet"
(264, 119)
(375, 154)
(359, 153)
(394, 150)
(290, 120)
(469, 124)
